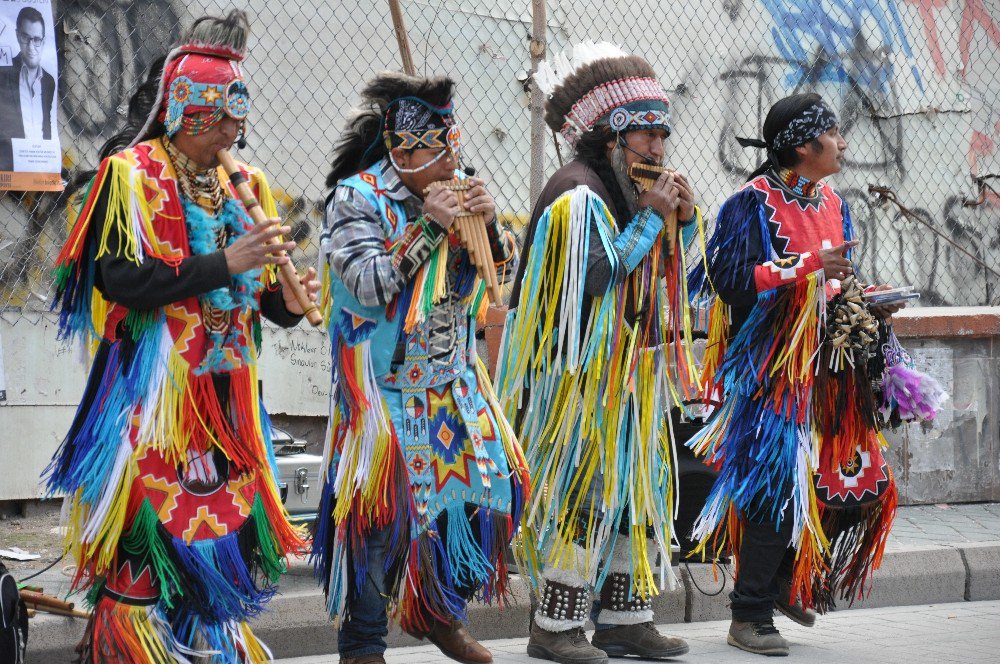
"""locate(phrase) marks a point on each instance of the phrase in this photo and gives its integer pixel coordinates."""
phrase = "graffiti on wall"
(851, 52)
(802, 30)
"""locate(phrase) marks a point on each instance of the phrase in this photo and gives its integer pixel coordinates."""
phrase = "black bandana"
(412, 123)
(791, 122)
(806, 126)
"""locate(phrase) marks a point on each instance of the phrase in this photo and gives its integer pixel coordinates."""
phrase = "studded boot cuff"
(617, 608)
(562, 607)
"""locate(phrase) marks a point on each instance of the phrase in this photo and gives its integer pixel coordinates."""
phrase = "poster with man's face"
(30, 156)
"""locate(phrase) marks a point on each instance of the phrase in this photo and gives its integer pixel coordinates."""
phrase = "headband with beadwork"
(623, 104)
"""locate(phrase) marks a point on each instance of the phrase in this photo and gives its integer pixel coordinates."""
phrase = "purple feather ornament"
(913, 395)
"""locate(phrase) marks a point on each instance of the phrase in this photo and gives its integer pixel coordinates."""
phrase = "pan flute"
(644, 175)
(471, 230)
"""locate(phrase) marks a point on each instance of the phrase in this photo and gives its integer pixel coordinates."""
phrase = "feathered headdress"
(396, 110)
(593, 84)
(203, 73)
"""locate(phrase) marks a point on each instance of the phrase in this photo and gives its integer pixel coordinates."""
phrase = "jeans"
(365, 622)
(765, 558)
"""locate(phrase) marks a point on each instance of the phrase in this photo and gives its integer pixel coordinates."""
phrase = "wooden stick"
(71, 613)
(399, 27)
(41, 599)
(256, 212)
(536, 50)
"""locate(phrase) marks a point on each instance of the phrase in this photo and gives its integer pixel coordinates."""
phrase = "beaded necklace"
(199, 185)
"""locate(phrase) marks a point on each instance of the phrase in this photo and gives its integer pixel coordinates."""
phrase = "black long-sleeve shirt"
(154, 283)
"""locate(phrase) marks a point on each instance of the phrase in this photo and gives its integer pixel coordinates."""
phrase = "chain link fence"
(915, 83)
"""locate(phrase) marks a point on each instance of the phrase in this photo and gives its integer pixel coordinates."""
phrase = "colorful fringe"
(142, 634)
(592, 397)
(144, 396)
(785, 419)
(430, 286)
(366, 488)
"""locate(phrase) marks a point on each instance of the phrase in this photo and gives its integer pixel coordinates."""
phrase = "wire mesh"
(915, 83)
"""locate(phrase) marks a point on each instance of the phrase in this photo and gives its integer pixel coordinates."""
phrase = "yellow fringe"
(125, 198)
(104, 546)
(256, 653)
(795, 358)
(586, 405)
(325, 304)
(717, 343)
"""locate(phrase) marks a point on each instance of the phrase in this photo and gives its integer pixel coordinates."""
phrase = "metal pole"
(399, 27)
(537, 102)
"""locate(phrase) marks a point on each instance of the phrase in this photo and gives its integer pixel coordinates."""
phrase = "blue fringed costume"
(420, 461)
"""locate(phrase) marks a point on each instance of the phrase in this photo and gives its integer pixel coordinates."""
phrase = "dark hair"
(361, 144)
(29, 15)
(780, 114)
(789, 158)
(140, 105)
(592, 149)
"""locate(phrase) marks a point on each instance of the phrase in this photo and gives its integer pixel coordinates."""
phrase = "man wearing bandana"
(174, 518)
(780, 252)
(423, 478)
(585, 369)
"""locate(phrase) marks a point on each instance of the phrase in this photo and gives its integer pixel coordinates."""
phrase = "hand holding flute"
(475, 207)
(261, 245)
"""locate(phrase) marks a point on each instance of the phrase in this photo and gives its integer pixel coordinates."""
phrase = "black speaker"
(694, 480)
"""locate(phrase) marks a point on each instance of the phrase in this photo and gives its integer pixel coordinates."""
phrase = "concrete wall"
(958, 459)
(915, 83)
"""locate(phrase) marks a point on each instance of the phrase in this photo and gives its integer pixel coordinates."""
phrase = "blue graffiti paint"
(803, 29)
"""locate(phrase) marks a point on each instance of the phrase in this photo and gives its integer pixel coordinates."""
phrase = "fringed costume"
(595, 353)
(793, 367)
(424, 480)
(172, 513)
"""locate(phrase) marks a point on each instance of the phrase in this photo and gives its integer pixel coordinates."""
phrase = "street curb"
(296, 624)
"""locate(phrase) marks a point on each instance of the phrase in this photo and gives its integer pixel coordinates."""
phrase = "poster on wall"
(30, 157)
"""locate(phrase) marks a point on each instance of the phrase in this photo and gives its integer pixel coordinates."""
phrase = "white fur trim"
(553, 625)
(621, 557)
(570, 571)
(566, 577)
(606, 617)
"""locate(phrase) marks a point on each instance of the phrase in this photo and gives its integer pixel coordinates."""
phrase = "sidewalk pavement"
(936, 554)
(965, 632)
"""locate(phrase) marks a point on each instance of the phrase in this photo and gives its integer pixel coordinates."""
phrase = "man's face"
(442, 169)
(30, 37)
(824, 156)
(202, 148)
(648, 143)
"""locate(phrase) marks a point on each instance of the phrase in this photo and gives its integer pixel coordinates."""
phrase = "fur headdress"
(392, 104)
(593, 84)
(203, 73)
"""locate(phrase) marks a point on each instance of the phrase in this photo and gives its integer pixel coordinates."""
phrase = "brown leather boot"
(376, 658)
(455, 641)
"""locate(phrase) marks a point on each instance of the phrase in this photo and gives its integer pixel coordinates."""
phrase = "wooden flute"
(256, 212)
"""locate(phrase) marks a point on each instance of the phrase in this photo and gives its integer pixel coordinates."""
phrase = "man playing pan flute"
(424, 480)
(175, 521)
(586, 370)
